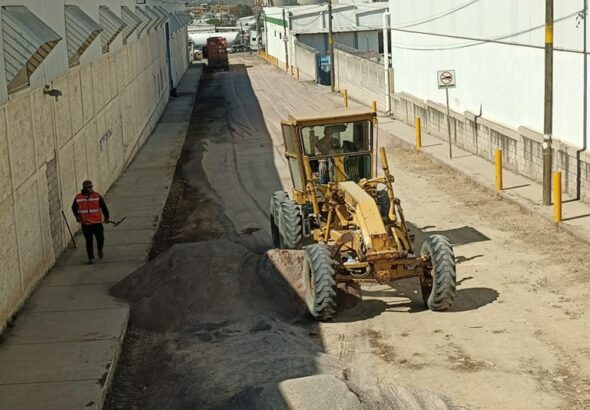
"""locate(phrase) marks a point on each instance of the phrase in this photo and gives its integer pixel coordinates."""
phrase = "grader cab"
(346, 216)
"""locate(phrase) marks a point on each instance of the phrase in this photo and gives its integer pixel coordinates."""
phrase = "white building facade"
(505, 78)
(358, 26)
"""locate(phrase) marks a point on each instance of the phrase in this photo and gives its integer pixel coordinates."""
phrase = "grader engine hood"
(366, 216)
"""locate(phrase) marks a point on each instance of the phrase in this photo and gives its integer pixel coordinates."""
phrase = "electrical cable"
(475, 41)
(435, 17)
(480, 41)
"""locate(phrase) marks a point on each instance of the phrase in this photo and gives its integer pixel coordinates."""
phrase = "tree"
(214, 22)
(241, 10)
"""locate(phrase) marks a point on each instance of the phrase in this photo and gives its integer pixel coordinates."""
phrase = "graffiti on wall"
(105, 139)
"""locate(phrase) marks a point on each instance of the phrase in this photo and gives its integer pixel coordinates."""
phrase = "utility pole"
(386, 23)
(331, 48)
(548, 123)
(285, 42)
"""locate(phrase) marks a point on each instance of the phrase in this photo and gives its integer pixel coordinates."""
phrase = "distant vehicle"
(217, 53)
(236, 48)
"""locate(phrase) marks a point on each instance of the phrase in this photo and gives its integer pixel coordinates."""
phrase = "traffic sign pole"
(449, 123)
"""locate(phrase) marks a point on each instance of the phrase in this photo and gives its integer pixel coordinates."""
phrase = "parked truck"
(217, 53)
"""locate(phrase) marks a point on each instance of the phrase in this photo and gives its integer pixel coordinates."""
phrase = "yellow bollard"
(418, 124)
(374, 106)
(499, 182)
(557, 197)
(345, 96)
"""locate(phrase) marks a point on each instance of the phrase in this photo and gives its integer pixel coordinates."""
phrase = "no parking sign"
(446, 79)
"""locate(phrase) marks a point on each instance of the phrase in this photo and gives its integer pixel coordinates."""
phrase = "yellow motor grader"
(346, 217)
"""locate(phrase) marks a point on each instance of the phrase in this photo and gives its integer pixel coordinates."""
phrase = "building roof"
(132, 20)
(149, 18)
(81, 31)
(27, 42)
(112, 25)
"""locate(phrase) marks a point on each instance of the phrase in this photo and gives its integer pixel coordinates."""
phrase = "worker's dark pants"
(90, 230)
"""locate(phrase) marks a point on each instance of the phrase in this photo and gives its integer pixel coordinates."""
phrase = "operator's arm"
(103, 208)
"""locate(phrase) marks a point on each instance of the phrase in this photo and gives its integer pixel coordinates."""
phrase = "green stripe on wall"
(278, 22)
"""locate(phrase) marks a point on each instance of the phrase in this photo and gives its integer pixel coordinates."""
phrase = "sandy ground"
(517, 334)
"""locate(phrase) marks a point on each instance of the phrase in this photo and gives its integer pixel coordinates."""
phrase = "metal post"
(331, 48)
(386, 62)
(499, 179)
(449, 123)
(548, 123)
(584, 108)
(557, 215)
(418, 124)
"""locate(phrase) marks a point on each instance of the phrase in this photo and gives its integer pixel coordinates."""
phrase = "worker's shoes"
(100, 254)
(91, 261)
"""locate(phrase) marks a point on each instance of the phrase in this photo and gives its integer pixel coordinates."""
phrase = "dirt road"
(517, 336)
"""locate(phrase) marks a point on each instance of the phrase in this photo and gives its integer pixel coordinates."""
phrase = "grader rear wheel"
(439, 284)
(320, 281)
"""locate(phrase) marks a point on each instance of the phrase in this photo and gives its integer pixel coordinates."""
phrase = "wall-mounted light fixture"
(52, 92)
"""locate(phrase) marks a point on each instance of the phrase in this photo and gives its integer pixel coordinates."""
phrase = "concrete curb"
(117, 354)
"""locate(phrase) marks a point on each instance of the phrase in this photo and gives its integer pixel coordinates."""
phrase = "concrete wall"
(364, 79)
(47, 147)
(521, 148)
(306, 60)
(507, 80)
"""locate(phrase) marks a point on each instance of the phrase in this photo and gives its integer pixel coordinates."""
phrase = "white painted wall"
(274, 33)
(508, 81)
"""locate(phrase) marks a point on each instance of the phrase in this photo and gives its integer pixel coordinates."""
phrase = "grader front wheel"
(320, 281)
(274, 216)
(439, 283)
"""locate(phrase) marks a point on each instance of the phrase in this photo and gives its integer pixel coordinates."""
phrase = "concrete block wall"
(48, 147)
(306, 60)
(364, 79)
(521, 149)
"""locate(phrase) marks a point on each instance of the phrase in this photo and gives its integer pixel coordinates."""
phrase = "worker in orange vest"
(89, 208)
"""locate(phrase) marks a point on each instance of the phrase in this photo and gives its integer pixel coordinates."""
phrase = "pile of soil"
(214, 325)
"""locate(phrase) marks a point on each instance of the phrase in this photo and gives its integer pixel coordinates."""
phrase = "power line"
(435, 17)
(481, 41)
(478, 41)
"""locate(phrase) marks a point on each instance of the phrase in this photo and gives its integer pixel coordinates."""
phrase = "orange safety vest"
(89, 208)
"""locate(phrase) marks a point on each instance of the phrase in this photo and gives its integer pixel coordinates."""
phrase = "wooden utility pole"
(285, 42)
(331, 48)
(548, 123)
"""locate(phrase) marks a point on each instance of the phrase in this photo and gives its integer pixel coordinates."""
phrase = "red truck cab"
(217, 53)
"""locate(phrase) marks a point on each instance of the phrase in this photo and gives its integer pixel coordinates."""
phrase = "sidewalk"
(519, 189)
(63, 350)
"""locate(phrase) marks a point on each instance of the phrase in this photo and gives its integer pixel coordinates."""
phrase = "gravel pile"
(221, 327)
